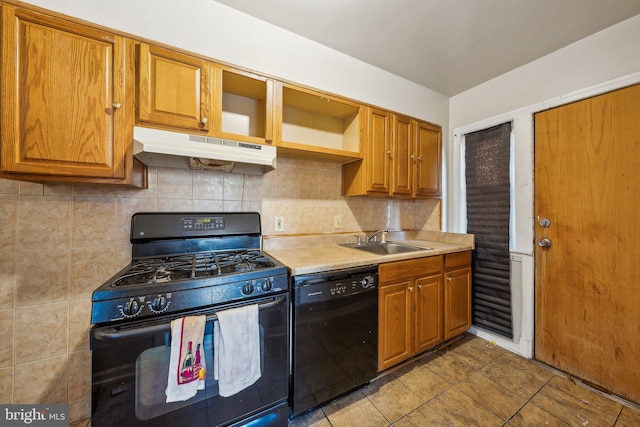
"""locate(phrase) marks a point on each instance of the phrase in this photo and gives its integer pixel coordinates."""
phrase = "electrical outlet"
(337, 222)
(279, 226)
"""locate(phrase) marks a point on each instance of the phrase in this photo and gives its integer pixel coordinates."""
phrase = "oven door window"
(152, 367)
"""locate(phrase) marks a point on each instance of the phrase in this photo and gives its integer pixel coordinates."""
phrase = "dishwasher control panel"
(335, 284)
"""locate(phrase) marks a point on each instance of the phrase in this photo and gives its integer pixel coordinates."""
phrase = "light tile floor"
(472, 383)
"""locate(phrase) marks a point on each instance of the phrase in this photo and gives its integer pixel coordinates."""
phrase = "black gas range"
(188, 264)
(183, 261)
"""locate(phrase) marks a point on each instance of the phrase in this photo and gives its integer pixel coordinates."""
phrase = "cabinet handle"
(388, 153)
(204, 120)
(420, 158)
(116, 105)
(448, 279)
(412, 157)
(420, 287)
(410, 288)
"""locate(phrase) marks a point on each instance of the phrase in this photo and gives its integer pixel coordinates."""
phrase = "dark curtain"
(488, 189)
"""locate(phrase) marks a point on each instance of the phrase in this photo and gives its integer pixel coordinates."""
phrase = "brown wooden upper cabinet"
(428, 160)
(173, 89)
(310, 122)
(402, 158)
(66, 91)
(370, 176)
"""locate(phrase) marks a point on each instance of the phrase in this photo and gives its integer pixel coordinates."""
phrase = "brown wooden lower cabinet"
(422, 302)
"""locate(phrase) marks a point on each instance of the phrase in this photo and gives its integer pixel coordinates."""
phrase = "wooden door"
(402, 162)
(174, 89)
(428, 160)
(379, 150)
(63, 98)
(587, 281)
(429, 329)
(394, 323)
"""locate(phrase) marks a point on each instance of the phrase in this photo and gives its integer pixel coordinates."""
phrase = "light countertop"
(313, 259)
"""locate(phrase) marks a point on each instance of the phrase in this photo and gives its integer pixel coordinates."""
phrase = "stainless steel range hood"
(155, 147)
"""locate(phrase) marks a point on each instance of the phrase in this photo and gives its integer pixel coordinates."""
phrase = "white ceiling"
(445, 45)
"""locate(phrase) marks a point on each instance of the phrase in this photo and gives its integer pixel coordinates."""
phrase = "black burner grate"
(192, 266)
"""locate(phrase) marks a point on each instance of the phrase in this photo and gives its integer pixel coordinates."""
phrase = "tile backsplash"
(59, 242)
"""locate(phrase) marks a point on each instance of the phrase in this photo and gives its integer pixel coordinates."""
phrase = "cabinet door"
(402, 157)
(378, 151)
(174, 89)
(428, 160)
(63, 98)
(429, 312)
(457, 301)
(395, 323)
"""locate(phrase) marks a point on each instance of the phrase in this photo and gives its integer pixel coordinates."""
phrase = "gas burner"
(245, 266)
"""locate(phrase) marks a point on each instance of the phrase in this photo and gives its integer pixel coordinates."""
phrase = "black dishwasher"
(334, 334)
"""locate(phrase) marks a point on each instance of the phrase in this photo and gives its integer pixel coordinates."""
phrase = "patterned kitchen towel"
(187, 367)
(236, 349)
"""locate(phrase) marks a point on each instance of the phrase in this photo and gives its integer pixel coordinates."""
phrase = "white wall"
(222, 33)
(604, 61)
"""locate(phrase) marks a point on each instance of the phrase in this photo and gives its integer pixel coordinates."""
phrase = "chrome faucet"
(374, 236)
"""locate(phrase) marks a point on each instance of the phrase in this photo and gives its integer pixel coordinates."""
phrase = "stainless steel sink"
(387, 248)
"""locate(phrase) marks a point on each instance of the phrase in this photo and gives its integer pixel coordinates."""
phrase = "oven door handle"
(111, 334)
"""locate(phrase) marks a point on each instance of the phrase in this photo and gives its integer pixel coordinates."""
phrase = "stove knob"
(247, 289)
(267, 285)
(159, 304)
(131, 308)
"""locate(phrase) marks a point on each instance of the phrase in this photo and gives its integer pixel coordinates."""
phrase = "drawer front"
(457, 260)
(410, 268)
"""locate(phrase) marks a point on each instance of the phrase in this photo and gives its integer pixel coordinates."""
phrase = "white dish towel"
(187, 367)
(236, 347)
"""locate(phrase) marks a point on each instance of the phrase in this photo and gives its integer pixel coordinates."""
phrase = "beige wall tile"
(175, 184)
(32, 188)
(90, 268)
(41, 332)
(208, 205)
(6, 338)
(235, 187)
(174, 205)
(93, 222)
(42, 276)
(42, 382)
(208, 185)
(44, 222)
(125, 209)
(7, 279)
(288, 182)
(58, 190)
(9, 215)
(6, 385)
(79, 385)
(9, 186)
(79, 325)
(263, 186)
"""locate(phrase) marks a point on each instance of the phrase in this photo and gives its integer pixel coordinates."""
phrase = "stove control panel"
(207, 294)
(202, 223)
